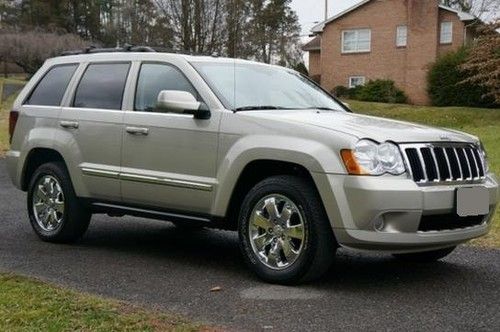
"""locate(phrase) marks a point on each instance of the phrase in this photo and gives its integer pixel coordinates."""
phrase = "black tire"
(319, 246)
(426, 256)
(75, 218)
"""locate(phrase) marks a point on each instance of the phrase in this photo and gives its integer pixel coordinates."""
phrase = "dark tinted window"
(102, 86)
(154, 78)
(50, 90)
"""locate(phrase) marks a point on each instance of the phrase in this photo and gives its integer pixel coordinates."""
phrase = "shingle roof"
(313, 45)
(319, 27)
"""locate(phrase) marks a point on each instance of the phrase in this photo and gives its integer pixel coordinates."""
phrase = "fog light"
(379, 224)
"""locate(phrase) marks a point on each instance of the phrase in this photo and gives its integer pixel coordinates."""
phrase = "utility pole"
(326, 10)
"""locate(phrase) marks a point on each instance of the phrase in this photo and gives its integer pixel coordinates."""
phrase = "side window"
(51, 88)
(153, 78)
(102, 86)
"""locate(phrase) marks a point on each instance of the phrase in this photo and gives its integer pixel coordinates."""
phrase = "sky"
(311, 11)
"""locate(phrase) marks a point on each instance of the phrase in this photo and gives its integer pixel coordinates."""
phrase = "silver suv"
(238, 145)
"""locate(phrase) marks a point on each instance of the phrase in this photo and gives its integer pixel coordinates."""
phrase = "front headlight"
(370, 158)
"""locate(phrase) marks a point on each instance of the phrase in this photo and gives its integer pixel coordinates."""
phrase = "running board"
(114, 209)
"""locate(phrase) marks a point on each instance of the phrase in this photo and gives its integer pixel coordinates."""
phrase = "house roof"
(319, 27)
(313, 45)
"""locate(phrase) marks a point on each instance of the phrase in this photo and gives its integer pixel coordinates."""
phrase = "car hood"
(364, 126)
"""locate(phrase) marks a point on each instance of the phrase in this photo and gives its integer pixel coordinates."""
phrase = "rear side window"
(102, 86)
(51, 88)
(154, 78)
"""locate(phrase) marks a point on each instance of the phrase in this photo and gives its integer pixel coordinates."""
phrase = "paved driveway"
(153, 263)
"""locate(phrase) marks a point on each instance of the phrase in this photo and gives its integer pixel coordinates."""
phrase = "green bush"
(445, 85)
(341, 91)
(384, 91)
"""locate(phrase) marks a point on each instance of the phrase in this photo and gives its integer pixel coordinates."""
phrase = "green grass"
(484, 123)
(31, 305)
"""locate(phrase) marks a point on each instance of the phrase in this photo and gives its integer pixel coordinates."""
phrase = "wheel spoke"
(260, 221)
(296, 232)
(286, 214)
(271, 208)
(261, 241)
(59, 207)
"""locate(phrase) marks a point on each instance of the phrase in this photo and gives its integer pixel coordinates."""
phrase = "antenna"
(326, 10)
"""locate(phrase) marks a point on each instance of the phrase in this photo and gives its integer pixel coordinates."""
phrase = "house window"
(355, 81)
(446, 32)
(401, 36)
(354, 41)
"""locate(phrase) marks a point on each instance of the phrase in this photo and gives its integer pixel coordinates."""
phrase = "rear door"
(91, 129)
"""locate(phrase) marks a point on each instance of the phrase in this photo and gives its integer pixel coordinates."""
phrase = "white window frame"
(363, 78)
(401, 36)
(357, 50)
(446, 37)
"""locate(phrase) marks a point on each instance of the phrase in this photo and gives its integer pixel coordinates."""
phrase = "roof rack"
(126, 48)
(131, 48)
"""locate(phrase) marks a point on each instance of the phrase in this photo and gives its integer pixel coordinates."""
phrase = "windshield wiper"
(257, 108)
(321, 108)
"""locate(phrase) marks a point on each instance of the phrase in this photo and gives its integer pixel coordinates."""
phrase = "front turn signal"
(350, 162)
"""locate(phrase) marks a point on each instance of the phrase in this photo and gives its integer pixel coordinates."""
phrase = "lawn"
(30, 305)
(484, 123)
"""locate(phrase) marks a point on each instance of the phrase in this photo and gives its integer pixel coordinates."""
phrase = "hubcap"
(276, 230)
(48, 203)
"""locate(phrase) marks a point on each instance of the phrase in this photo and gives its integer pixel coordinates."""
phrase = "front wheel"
(284, 233)
(426, 256)
(55, 213)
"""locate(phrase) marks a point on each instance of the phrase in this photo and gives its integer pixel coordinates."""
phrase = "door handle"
(69, 124)
(137, 131)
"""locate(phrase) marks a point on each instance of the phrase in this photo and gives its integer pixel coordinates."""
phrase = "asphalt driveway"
(155, 264)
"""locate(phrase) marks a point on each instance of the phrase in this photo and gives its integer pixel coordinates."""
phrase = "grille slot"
(444, 162)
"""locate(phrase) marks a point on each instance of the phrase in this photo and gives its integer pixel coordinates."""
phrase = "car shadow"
(218, 252)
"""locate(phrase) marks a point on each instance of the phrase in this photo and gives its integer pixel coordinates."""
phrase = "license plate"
(472, 201)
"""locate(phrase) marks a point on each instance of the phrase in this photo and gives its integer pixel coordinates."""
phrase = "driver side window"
(155, 77)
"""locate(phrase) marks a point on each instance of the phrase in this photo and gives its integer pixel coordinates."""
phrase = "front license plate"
(473, 201)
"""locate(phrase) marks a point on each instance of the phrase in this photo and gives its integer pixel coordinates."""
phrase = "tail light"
(14, 115)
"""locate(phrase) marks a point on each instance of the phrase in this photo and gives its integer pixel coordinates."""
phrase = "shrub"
(384, 91)
(341, 91)
(446, 86)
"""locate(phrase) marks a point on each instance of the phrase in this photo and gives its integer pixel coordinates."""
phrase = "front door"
(169, 160)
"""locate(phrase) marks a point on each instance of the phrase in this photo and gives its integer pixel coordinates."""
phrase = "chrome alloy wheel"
(277, 232)
(48, 203)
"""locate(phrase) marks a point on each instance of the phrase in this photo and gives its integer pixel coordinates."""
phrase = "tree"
(483, 62)
(30, 49)
(484, 9)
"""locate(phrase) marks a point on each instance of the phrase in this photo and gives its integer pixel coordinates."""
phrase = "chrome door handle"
(137, 131)
(69, 124)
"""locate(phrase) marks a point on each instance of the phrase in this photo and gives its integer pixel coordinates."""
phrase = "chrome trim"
(146, 179)
(100, 173)
(443, 145)
(166, 181)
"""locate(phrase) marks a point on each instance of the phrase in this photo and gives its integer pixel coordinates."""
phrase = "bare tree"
(30, 49)
(483, 9)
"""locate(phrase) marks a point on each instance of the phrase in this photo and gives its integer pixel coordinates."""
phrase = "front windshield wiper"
(321, 108)
(257, 108)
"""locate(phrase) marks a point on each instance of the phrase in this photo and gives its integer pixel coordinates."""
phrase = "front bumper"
(385, 213)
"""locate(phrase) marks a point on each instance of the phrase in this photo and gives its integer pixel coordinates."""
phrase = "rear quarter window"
(51, 88)
(102, 86)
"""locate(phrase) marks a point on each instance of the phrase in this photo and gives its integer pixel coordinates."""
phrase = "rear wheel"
(55, 213)
(284, 233)
(426, 256)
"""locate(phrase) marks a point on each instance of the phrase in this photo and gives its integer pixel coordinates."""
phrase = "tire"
(426, 256)
(314, 240)
(65, 223)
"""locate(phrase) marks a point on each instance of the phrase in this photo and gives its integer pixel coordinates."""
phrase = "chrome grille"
(444, 162)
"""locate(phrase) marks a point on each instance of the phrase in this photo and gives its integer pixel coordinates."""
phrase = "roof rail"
(126, 48)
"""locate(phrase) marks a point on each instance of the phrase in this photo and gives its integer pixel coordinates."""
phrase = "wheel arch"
(34, 159)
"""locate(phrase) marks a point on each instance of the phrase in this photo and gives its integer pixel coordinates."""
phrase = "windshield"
(243, 87)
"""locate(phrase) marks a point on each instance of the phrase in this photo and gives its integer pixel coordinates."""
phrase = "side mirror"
(181, 102)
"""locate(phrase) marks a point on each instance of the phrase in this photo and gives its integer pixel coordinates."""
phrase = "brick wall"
(406, 66)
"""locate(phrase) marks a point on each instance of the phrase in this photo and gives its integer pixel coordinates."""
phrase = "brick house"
(386, 39)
